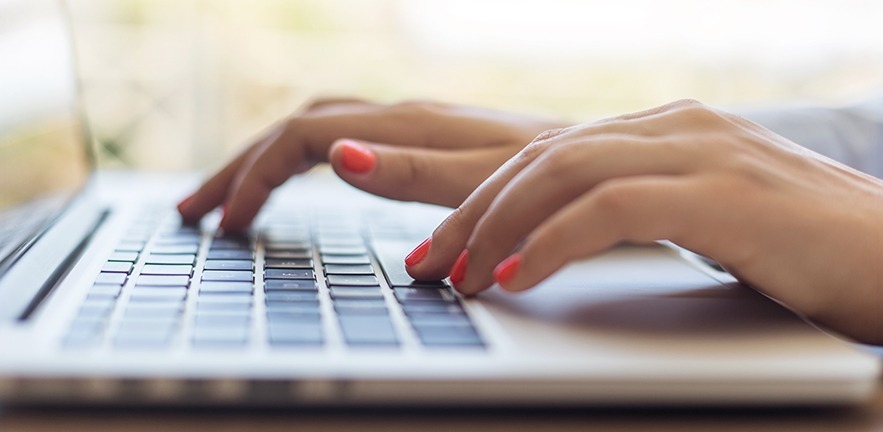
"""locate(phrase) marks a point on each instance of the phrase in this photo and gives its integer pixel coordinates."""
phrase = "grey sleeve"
(852, 135)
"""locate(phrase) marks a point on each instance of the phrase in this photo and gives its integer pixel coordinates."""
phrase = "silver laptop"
(106, 298)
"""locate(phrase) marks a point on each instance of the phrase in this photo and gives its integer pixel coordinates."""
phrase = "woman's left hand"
(795, 225)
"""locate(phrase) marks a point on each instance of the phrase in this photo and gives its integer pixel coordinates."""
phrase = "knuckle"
(531, 152)
(549, 134)
(560, 161)
(613, 199)
(685, 102)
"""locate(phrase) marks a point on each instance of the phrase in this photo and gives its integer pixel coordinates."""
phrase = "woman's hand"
(417, 151)
(795, 225)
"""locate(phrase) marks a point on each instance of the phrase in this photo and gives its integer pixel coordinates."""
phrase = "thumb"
(443, 177)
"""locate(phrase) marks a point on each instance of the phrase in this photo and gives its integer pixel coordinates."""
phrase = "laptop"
(107, 299)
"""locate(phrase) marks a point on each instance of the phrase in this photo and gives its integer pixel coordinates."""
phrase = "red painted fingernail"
(418, 253)
(505, 270)
(357, 158)
(185, 203)
(459, 269)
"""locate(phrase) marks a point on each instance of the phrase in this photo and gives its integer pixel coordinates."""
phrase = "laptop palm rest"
(646, 299)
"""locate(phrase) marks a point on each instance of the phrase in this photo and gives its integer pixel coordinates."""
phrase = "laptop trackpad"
(638, 293)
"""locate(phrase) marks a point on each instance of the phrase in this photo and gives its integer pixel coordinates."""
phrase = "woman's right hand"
(414, 151)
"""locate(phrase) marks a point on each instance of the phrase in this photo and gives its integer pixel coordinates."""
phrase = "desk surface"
(866, 418)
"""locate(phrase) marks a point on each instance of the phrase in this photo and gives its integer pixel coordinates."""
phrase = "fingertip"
(506, 271)
(352, 156)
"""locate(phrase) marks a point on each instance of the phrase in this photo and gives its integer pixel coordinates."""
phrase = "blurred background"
(182, 84)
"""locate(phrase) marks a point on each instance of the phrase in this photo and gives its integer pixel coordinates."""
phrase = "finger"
(554, 179)
(448, 241)
(213, 192)
(638, 209)
(415, 174)
(264, 169)
(305, 141)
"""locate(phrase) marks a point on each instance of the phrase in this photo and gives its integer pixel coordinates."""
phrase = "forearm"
(852, 135)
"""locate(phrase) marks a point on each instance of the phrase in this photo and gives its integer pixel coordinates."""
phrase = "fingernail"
(459, 269)
(505, 270)
(418, 253)
(357, 158)
(185, 203)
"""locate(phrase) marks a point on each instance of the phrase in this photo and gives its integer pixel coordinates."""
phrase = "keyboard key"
(276, 263)
(170, 259)
(288, 254)
(439, 320)
(140, 294)
(212, 337)
(299, 307)
(283, 246)
(95, 310)
(230, 244)
(175, 240)
(163, 280)
(338, 269)
(102, 302)
(164, 323)
(209, 287)
(230, 255)
(124, 256)
(353, 280)
(291, 296)
(117, 267)
(137, 340)
(345, 259)
(368, 330)
(117, 279)
(288, 274)
(130, 246)
(293, 316)
(227, 275)
(393, 265)
(355, 293)
(235, 298)
(223, 319)
(178, 229)
(343, 250)
(449, 336)
(162, 269)
(291, 333)
(172, 303)
(175, 249)
(229, 265)
(100, 291)
(426, 308)
(203, 306)
(290, 285)
(151, 314)
(408, 295)
(360, 307)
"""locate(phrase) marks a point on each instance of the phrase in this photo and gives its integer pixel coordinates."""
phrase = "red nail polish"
(505, 270)
(357, 158)
(185, 203)
(459, 269)
(418, 253)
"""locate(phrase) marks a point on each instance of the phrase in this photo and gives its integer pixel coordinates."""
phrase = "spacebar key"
(391, 255)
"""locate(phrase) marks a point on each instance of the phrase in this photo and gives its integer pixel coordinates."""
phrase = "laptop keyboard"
(298, 282)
